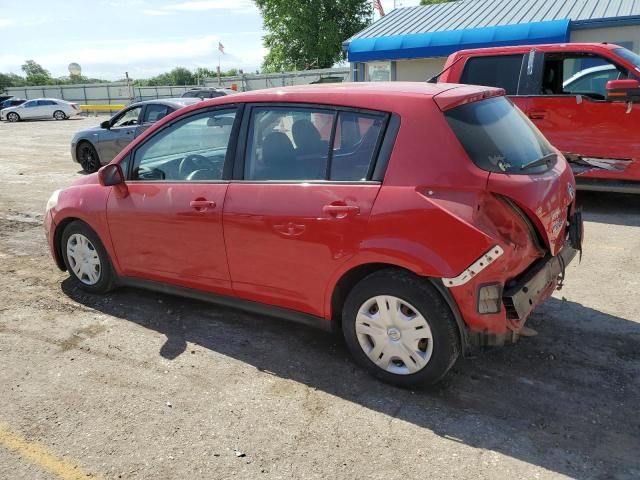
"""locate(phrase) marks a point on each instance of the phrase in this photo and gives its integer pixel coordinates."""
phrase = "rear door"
(151, 113)
(301, 201)
(169, 226)
(567, 102)
(121, 132)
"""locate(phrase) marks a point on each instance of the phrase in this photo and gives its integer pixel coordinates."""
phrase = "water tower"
(74, 69)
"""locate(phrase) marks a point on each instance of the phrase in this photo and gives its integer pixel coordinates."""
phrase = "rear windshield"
(498, 137)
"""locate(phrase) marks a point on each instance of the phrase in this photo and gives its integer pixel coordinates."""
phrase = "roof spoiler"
(463, 95)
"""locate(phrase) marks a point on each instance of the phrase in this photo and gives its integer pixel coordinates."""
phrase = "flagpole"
(219, 80)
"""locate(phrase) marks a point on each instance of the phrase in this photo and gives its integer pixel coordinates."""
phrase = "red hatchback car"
(424, 221)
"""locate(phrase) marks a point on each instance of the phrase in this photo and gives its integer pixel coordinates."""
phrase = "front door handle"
(538, 114)
(341, 211)
(202, 204)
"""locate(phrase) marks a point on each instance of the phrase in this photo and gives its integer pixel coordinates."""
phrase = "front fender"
(87, 203)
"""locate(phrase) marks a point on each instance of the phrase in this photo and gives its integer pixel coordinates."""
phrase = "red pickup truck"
(581, 96)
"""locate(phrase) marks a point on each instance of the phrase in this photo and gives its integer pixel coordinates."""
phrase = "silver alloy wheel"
(59, 115)
(394, 335)
(13, 117)
(83, 259)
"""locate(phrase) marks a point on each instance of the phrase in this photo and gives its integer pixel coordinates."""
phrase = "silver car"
(97, 146)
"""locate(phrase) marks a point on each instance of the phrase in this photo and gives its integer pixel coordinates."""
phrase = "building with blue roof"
(412, 43)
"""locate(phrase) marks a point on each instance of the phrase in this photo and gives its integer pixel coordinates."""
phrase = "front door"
(29, 109)
(301, 205)
(169, 226)
(120, 133)
(571, 110)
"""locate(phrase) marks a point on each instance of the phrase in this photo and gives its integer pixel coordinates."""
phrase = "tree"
(306, 34)
(433, 2)
(36, 74)
(11, 80)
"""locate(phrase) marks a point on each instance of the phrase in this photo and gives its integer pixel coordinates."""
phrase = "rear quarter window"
(501, 71)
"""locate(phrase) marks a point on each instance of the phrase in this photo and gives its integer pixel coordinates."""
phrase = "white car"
(40, 108)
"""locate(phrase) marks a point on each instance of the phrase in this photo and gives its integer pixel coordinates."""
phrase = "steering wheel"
(191, 163)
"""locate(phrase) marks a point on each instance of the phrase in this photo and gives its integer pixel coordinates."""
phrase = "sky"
(142, 37)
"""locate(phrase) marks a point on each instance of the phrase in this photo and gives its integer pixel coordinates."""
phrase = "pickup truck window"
(578, 74)
(629, 56)
(499, 138)
(502, 71)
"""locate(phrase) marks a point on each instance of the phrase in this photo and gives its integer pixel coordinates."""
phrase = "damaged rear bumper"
(521, 297)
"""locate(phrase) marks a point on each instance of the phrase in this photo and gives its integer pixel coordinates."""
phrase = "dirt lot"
(141, 385)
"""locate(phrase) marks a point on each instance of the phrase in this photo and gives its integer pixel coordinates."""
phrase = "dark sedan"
(97, 146)
(11, 102)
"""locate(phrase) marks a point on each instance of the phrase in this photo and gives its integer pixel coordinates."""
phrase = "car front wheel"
(86, 259)
(13, 117)
(88, 157)
(400, 329)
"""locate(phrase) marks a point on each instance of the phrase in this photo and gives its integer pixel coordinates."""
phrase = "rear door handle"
(202, 204)
(341, 210)
(537, 114)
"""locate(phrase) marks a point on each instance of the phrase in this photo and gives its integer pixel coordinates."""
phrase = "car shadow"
(565, 400)
(611, 208)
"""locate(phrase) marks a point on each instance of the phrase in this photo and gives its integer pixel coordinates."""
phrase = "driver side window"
(578, 74)
(128, 118)
(192, 149)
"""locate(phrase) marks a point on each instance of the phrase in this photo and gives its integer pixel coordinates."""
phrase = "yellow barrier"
(86, 108)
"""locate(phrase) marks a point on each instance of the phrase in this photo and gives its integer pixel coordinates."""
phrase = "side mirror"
(110, 175)
(106, 124)
(623, 90)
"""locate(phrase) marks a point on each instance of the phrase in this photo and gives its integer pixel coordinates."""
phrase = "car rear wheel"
(59, 115)
(400, 329)
(88, 157)
(86, 259)
(13, 117)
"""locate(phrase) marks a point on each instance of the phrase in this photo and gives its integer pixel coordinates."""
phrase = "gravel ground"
(144, 385)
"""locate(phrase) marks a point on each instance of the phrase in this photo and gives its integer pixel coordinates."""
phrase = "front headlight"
(53, 200)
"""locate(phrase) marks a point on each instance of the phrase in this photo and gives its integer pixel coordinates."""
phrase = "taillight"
(75, 107)
(499, 215)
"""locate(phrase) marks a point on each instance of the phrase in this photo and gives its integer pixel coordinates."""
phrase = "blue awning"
(442, 44)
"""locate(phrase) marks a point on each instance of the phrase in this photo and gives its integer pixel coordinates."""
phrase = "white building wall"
(618, 35)
(418, 70)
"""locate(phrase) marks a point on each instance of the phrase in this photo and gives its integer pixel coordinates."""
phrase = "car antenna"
(435, 78)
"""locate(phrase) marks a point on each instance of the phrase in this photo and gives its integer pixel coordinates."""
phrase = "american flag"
(221, 47)
(377, 5)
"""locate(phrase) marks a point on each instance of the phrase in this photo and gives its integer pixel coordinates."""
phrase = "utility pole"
(126, 74)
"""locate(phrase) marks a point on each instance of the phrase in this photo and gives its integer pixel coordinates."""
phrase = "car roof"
(172, 102)
(556, 47)
(381, 96)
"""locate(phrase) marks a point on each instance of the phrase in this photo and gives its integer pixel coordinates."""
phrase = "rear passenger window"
(501, 71)
(153, 113)
(357, 137)
(295, 144)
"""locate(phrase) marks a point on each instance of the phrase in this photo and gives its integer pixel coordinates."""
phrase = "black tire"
(59, 115)
(428, 302)
(88, 157)
(13, 117)
(106, 277)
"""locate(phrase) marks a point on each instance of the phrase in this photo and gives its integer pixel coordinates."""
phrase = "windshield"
(629, 56)
(498, 137)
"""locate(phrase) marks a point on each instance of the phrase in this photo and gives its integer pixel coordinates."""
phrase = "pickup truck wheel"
(86, 259)
(88, 157)
(398, 327)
